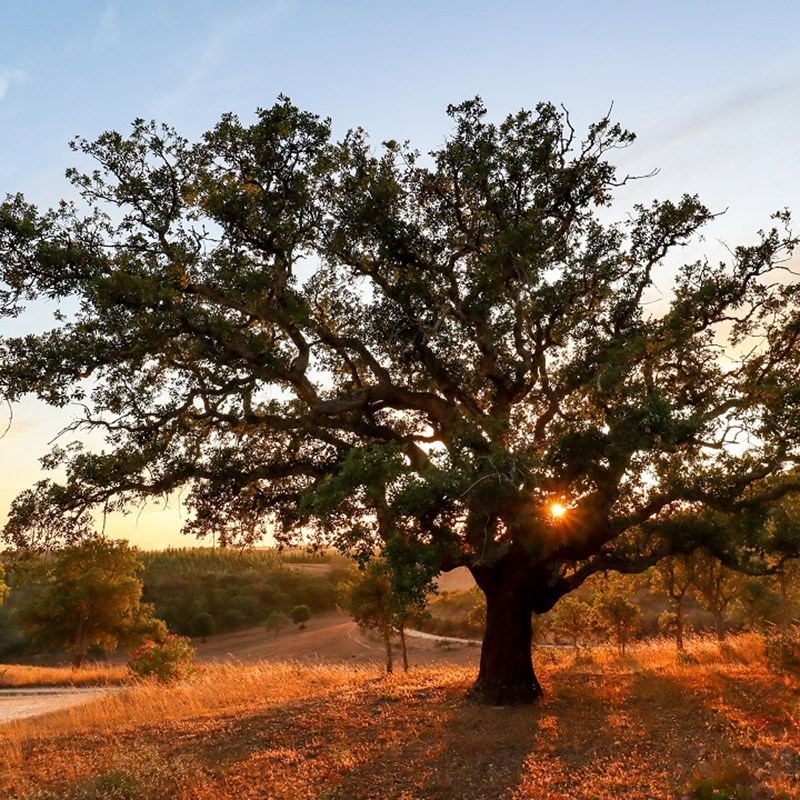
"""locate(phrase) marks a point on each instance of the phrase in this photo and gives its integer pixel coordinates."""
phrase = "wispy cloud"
(9, 77)
(107, 31)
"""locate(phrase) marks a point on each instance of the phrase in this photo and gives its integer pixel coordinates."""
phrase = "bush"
(782, 649)
(276, 621)
(203, 625)
(300, 615)
(171, 658)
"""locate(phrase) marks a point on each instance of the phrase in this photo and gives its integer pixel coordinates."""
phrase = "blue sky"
(711, 88)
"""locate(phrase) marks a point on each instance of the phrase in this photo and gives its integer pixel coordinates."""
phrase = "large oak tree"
(309, 334)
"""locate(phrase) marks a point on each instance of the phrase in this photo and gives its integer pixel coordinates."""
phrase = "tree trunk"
(387, 642)
(722, 631)
(506, 675)
(81, 644)
(679, 624)
(402, 632)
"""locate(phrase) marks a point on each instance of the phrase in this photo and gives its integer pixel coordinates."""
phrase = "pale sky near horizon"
(711, 88)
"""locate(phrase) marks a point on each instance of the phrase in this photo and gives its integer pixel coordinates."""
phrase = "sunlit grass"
(644, 726)
(23, 675)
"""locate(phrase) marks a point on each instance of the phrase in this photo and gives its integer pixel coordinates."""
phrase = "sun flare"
(557, 510)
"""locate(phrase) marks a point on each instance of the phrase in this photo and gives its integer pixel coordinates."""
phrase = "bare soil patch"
(22, 703)
(329, 639)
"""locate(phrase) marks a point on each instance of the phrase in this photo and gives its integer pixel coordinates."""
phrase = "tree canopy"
(91, 597)
(311, 334)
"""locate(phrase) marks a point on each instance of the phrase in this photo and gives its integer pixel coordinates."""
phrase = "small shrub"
(171, 658)
(203, 625)
(300, 615)
(727, 782)
(277, 621)
(782, 649)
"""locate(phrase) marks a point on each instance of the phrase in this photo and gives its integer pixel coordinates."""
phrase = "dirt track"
(21, 703)
(328, 638)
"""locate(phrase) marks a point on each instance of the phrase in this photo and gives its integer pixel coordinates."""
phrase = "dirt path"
(328, 638)
(20, 703)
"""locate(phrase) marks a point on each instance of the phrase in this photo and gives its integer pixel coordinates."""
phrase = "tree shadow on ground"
(597, 734)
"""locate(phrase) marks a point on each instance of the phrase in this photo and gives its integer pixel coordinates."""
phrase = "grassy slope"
(606, 729)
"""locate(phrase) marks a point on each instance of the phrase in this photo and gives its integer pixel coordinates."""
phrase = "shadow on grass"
(596, 734)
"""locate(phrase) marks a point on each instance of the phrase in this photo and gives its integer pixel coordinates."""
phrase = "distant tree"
(717, 586)
(276, 621)
(368, 600)
(4, 590)
(300, 615)
(375, 603)
(91, 597)
(476, 618)
(620, 616)
(674, 576)
(758, 604)
(574, 619)
(671, 625)
(203, 625)
(788, 587)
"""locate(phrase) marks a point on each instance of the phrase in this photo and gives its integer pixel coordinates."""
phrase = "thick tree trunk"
(506, 675)
(679, 625)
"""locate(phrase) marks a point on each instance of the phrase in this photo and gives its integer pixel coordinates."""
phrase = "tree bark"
(404, 650)
(387, 643)
(506, 676)
(722, 631)
(81, 645)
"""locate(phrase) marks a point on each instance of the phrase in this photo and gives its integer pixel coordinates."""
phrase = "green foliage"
(311, 335)
(203, 625)
(300, 615)
(277, 621)
(376, 601)
(167, 659)
(4, 590)
(727, 782)
(620, 616)
(717, 586)
(782, 648)
(574, 619)
(238, 588)
(668, 624)
(460, 613)
(91, 597)
(476, 618)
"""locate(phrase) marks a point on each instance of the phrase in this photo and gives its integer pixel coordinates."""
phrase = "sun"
(557, 510)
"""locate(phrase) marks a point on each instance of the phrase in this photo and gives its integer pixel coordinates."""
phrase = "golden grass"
(641, 727)
(22, 675)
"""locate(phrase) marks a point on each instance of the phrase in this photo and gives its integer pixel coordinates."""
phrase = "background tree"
(378, 602)
(300, 615)
(307, 333)
(91, 597)
(716, 587)
(617, 612)
(277, 621)
(4, 590)
(574, 619)
(203, 625)
(368, 601)
(674, 576)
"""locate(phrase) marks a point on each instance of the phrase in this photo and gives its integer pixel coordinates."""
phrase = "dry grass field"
(644, 728)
